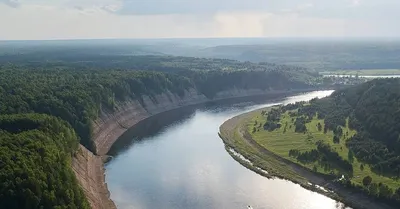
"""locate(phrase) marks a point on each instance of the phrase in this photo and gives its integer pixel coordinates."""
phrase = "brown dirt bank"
(233, 130)
(89, 168)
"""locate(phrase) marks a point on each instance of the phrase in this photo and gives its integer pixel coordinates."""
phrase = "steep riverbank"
(249, 153)
(110, 126)
(89, 170)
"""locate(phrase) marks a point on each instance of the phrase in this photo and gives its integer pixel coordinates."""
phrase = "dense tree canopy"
(35, 155)
(373, 110)
(47, 108)
(77, 95)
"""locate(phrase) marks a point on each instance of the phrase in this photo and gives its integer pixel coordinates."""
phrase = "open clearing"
(280, 142)
(265, 162)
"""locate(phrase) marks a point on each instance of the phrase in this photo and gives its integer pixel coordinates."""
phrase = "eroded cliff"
(89, 171)
(89, 168)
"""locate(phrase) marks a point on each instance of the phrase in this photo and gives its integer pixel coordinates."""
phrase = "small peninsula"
(341, 145)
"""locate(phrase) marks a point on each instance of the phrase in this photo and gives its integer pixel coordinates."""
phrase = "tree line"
(373, 110)
(35, 156)
(325, 156)
(47, 109)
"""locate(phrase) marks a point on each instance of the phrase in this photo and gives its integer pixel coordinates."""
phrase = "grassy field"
(370, 72)
(231, 133)
(280, 142)
(246, 151)
(265, 163)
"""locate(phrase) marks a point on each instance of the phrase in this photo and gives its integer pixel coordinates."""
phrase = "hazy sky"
(71, 19)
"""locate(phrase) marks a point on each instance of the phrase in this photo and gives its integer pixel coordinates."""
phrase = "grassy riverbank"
(247, 151)
(232, 132)
(280, 141)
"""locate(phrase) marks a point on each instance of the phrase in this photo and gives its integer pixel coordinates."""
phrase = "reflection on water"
(184, 165)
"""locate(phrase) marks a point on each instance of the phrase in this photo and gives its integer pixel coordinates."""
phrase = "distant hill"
(318, 54)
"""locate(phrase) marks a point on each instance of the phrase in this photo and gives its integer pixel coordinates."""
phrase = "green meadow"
(281, 140)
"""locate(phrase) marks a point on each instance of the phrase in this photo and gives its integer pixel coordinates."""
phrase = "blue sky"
(72, 19)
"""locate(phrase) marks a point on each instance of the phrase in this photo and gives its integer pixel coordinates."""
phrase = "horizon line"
(210, 38)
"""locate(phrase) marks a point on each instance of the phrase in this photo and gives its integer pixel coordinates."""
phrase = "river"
(184, 165)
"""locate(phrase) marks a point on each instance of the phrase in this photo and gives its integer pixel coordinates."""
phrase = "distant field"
(363, 72)
(281, 142)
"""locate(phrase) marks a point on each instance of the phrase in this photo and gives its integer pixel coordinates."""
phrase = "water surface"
(185, 166)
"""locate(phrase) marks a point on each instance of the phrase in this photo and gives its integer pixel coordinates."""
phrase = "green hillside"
(35, 158)
(77, 95)
(353, 133)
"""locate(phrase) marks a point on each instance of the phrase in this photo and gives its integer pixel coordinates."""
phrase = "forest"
(77, 95)
(35, 156)
(47, 109)
(372, 110)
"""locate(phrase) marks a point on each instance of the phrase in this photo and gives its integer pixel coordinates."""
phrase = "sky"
(101, 19)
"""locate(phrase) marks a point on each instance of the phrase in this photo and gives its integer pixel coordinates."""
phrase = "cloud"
(111, 8)
(298, 9)
(306, 8)
(70, 19)
(356, 2)
(106, 5)
(11, 3)
(140, 7)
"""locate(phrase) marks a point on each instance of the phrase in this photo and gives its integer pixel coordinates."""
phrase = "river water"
(184, 165)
